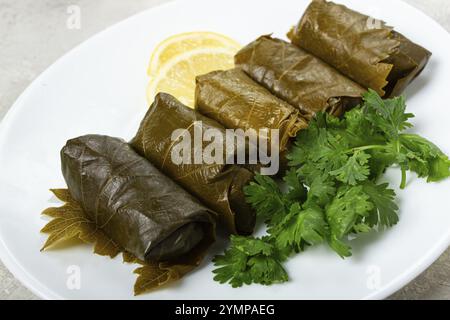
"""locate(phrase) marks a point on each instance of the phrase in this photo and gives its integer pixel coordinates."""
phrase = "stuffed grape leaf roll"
(219, 186)
(132, 202)
(362, 48)
(298, 77)
(237, 102)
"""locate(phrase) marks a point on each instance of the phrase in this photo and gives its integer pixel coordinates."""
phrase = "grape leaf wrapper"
(70, 222)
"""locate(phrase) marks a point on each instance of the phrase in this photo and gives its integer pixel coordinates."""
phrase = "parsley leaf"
(266, 270)
(344, 210)
(387, 115)
(342, 249)
(296, 189)
(355, 170)
(424, 158)
(331, 188)
(321, 191)
(267, 199)
(250, 260)
(384, 206)
(302, 225)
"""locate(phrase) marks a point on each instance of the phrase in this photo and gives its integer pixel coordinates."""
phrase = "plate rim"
(41, 290)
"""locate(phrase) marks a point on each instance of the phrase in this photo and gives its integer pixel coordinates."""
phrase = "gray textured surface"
(33, 34)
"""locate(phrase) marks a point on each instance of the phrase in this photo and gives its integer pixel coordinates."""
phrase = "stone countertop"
(33, 35)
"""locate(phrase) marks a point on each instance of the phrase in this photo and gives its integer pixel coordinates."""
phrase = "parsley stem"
(403, 183)
(369, 147)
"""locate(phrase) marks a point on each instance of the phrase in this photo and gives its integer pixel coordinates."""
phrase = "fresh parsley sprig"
(331, 189)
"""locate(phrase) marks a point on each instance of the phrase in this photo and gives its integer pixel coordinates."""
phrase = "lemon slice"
(184, 42)
(177, 76)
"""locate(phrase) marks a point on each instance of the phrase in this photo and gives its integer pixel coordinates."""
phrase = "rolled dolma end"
(138, 207)
(217, 185)
(297, 77)
(361, 47)
(408, 63)
(237, 102)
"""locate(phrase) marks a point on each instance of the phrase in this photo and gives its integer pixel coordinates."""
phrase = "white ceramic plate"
(100, 88)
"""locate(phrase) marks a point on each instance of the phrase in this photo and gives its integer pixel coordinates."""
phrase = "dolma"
(298, 77)
(138, 207)
(362, 48)
(237, 102)
(219, 186)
